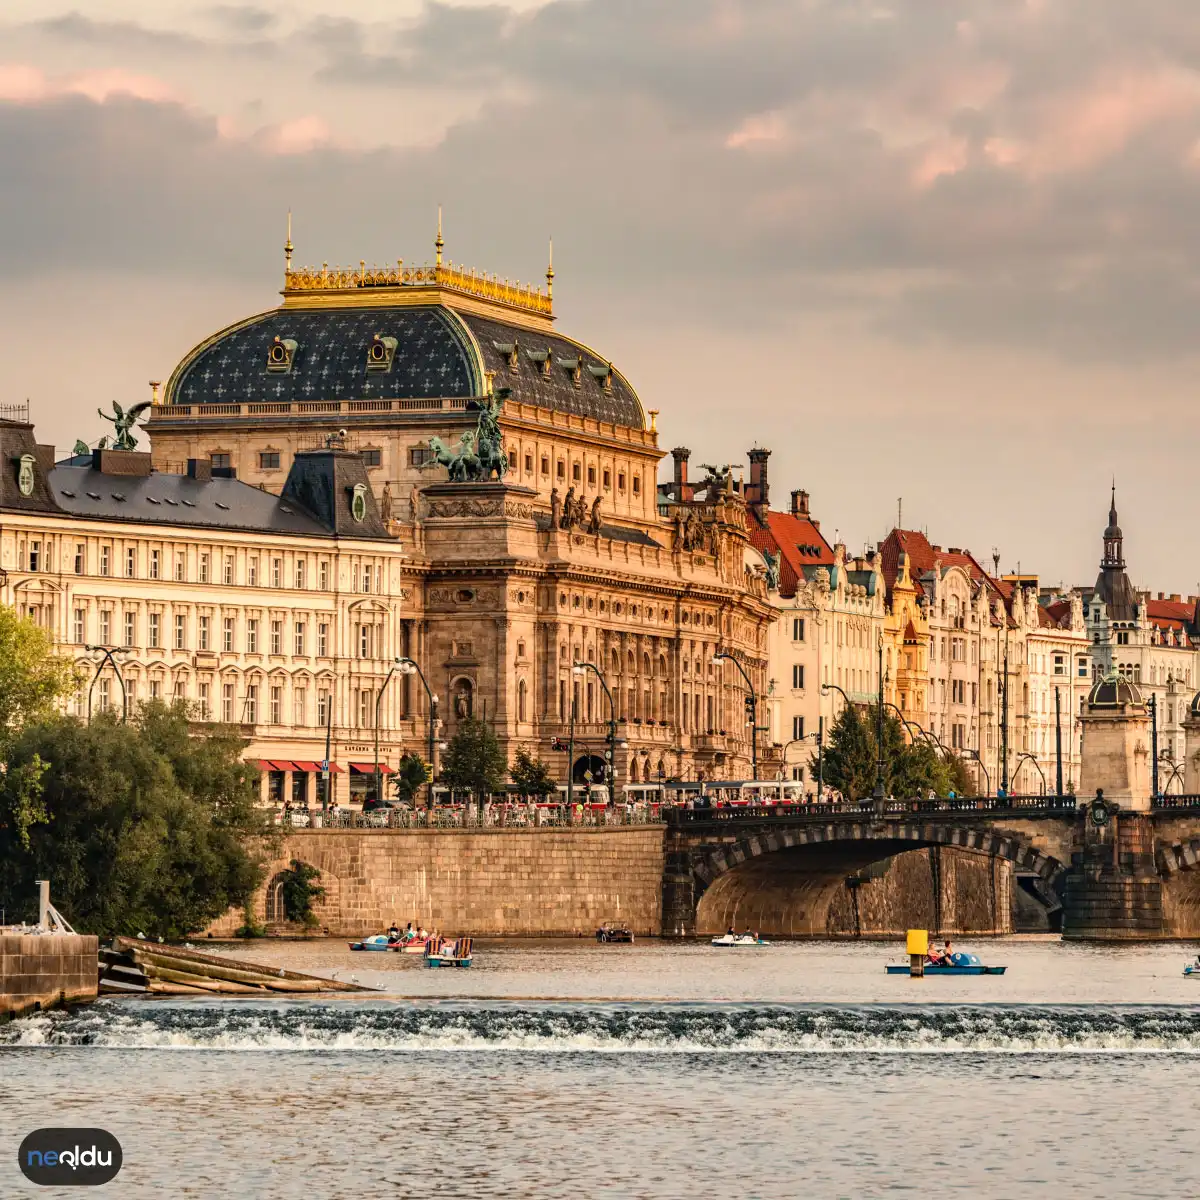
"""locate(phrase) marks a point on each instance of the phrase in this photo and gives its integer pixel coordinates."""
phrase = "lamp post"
(719, 656)
(976, 756)
(1154, 745)
(820, 739)
(578, 669)
(108, 655)
(1058, 742)
(396, 666)
(879, 793)
(408, 666)
(1004, 726)
(909, 725)
(575, 671)
(1022, 757)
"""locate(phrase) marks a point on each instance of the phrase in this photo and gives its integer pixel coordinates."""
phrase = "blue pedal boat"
(448, 954)
(963, 964)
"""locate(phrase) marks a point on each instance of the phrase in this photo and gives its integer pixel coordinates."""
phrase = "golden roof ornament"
(438, 243)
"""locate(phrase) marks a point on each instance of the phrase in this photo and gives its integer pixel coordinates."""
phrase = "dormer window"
(574, 366)
(602, 375)
(511, 352)
(280, 355)
(381, 352)
(542, 358)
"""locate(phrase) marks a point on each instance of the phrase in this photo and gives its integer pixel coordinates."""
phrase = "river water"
(567, 1069)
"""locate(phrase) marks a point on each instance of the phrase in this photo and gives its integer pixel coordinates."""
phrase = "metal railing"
(989, 805)
(1185, 800)
(513, 816)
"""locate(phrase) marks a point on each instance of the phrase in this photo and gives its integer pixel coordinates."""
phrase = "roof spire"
(437, 242)
(288, 247)
(550, 273)
(1112, 508)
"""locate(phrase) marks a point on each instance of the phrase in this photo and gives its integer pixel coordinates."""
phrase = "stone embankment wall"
(530, 882)
(43, 971)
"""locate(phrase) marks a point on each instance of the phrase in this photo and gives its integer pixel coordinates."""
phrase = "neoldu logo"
(69, 1157)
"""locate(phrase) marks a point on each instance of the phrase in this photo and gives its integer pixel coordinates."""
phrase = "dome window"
(574, 367)
(602, 375)
(280, 355)
(511, 352)
(380, 353)
(542, 358)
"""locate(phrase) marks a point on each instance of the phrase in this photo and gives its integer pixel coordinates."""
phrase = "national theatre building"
(517, 468)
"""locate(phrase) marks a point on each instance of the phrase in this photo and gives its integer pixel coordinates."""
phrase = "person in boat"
(729, 933)
(934, 956)
(393, 934)
(947, 954)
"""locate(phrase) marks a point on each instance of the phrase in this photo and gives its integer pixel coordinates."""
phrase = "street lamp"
(408, 666)
(879, 793)
(721, 656)
(397, 665)
(1021, 758)
(108, 655)
(820, 737)
(976, 756)
(578, 669)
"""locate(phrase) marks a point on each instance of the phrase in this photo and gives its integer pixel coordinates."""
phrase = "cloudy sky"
(944, 250)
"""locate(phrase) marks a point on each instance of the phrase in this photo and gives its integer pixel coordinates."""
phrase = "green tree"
(142, 827)
(33, 680)
(412, 773)
(474, 760)
(298, 891)
(849, 755)
(531, 776)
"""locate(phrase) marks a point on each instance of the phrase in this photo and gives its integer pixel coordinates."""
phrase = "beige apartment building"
(280, 615)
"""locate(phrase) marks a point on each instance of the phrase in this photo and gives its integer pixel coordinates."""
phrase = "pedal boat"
(441, 953)
(738, 939)
(964, 964)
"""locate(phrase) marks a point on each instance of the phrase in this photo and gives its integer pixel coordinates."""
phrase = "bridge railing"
(1187, 801)
(991, 805)
(516, 816)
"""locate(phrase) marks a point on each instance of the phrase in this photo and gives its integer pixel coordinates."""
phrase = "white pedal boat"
(738, 939)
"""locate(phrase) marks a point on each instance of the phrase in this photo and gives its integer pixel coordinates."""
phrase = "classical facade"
(280, 615)
(1150, 641)
(519, 468)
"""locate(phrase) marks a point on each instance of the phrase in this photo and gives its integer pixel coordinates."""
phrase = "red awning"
(307, 766)
(259, 764)
(369, 768)
(282, 764)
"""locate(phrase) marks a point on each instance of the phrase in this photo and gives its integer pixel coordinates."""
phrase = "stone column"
(1191, 750)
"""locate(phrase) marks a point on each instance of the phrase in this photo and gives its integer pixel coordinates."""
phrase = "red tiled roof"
(922, 556)
(796, 540)
(1059, 612)
(1169, 610)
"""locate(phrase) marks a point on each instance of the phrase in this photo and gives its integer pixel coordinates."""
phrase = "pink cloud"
(757, 129)
(300, 136)
(21, 83)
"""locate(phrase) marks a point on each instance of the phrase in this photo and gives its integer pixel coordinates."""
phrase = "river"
(568, 1069)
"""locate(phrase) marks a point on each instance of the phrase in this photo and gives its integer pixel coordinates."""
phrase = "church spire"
(1114, 555)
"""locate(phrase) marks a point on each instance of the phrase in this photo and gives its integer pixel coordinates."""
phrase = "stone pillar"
(1113, 890)
(678, 895)
(1191, 749)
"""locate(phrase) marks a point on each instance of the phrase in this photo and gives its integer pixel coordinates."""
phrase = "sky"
(944, 253)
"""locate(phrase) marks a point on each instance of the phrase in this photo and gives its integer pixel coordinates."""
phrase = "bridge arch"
(785, 880)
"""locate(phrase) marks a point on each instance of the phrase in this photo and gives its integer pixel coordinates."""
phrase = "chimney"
(200, 468)
(1174, 597)
(758, 491)
(681, 454)
(799, 503)
(122, 462)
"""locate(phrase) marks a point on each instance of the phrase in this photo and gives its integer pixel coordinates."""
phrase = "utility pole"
(1153, 746)
(1058, 791)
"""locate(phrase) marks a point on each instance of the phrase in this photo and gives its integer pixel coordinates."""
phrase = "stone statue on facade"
(124, 423)
(555, 509)
(82, 449)
(414, 503)
(772, 571)
(385, 503)
(594, 519)
(569, 513)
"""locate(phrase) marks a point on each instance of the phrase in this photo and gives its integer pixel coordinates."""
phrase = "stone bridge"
(788, 871)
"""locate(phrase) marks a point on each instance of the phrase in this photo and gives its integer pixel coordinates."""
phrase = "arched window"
(646, 665)
(275, 912)
(521, 698)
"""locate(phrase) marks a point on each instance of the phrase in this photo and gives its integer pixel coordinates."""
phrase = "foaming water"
(650, 1029)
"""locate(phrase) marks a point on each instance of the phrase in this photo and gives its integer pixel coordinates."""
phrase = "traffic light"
(750, 710)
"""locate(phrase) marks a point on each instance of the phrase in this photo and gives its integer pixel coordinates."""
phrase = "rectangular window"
(1081, 668)
(105, 561)
(797, 675)
(620, 481)
(228, 573)
(155, 562)
(202, 696)
(268, 460)
(300, 706)
(322, 639)
(80, 551)
(250, 709)
(252, 570)
(155, 630)
(418, 456)
(372, 458)
(637, 485)
(323, 575)
(106, 627)
(322, 707)
(276, 637)
(607, 480)
(591, 476)
(35, 556)
(180, 631)
(79, 626)
(1060, 664)
(156, 689)
(227, 636)
(797, 629)
(298, 643)
(130, 628)
(205, 625)
(545, 465)
(366, 579)
(365, 641)
(301, 574)
(131, 563)
(277, 706)
(529, 464)
(797, 728)
(251, 636)
(227, 703)
(561, 469)
(576, 473)
(277, 572)
(180, 567)
(204, 568)
(220, 462)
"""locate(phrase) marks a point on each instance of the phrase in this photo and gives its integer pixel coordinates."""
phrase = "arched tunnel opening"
(862, 889)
